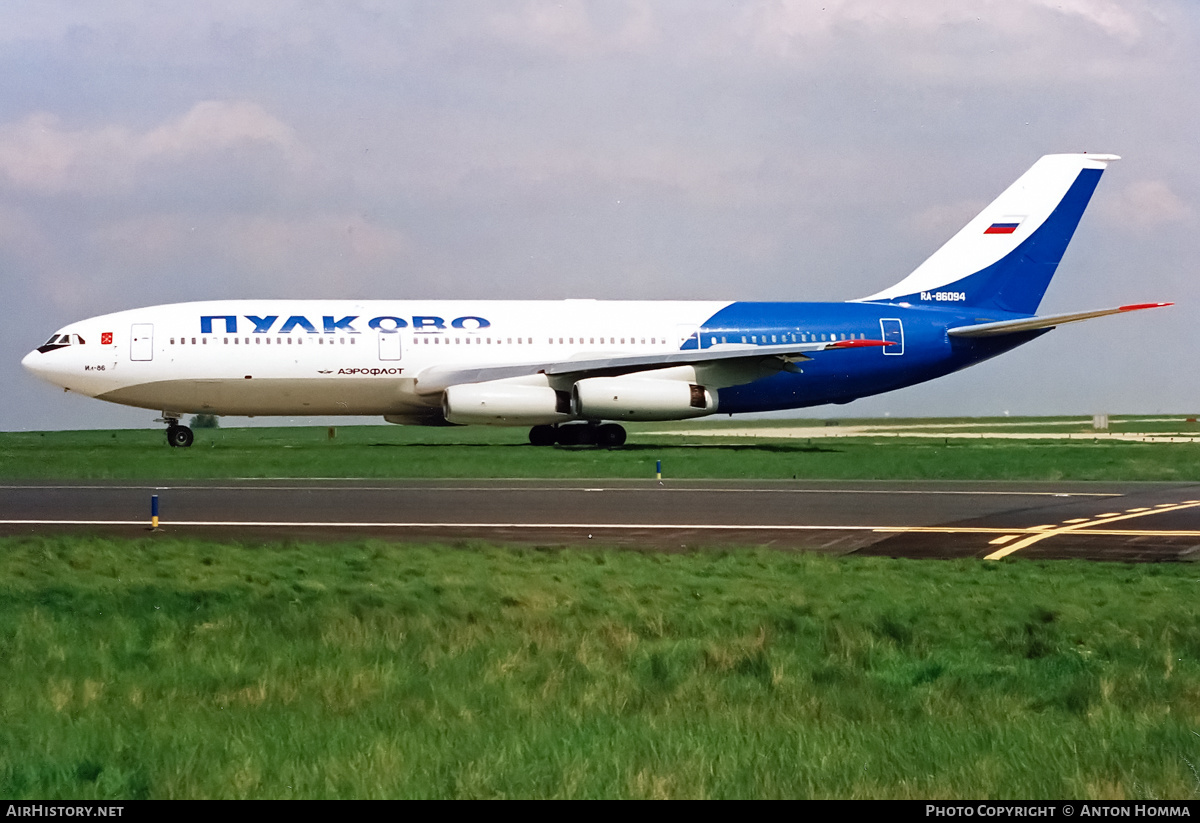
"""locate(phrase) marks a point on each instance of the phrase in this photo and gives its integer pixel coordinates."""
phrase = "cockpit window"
(58, 341)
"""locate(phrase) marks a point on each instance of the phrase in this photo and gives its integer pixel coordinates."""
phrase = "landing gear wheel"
(568, 435)
(542, 436)
(179, 436)
(610, 436)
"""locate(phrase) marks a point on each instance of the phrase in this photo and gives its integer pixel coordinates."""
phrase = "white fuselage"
(275, 357)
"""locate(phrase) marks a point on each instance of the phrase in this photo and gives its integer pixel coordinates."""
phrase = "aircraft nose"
(35, 363)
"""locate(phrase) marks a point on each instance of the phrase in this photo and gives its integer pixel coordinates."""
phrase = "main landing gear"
(603, 435)
(178, 436)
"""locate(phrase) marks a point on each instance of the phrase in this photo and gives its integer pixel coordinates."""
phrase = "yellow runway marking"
(1000, 541)
(1145, 532)
(1140, 512)
(1078, 520)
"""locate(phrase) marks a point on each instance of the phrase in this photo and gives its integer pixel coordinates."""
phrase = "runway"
(1098, 521)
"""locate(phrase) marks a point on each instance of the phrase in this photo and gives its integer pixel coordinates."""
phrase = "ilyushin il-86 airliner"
(571, 370)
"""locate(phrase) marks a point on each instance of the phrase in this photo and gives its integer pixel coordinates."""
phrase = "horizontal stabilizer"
(1048, 321)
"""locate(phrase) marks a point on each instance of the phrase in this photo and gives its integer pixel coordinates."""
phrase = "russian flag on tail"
(1006, 225)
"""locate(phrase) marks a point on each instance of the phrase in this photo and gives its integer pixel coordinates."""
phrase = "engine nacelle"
(641, 398)
(499, 403)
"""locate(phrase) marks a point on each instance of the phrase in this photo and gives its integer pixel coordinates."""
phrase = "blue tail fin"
(1004, 258)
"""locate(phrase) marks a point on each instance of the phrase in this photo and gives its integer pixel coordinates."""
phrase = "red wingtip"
(858, 344)
(1137, 306)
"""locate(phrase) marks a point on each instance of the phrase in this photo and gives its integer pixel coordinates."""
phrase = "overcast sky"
(162, 152)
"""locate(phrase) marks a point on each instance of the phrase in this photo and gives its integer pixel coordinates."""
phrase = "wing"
(438, 378)
(1048, 321)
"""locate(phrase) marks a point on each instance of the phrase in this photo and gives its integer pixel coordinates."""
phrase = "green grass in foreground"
(403, 452)
(174, 668)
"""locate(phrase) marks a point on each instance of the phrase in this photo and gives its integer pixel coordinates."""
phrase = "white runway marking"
(455, 525)
(648, 488)
(1036, 532)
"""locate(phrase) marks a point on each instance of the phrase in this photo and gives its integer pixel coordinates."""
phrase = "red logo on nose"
(106, 339)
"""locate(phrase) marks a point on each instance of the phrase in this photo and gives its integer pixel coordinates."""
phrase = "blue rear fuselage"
(920, 349)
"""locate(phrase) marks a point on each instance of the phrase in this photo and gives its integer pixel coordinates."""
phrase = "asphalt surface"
(1098, 521)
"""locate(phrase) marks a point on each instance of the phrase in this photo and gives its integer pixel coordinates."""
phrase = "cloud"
(321, 255)
(780, 22)
(1111, 17)
(577, 29)
(215, 125)
(329, 254)
(1146, 204)
(40, 154)
(949, 42)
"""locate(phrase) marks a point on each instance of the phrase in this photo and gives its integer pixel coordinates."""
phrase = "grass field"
(169, 668)
(404, 452)
(162, 667)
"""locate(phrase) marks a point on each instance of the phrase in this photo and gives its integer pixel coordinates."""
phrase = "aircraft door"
(893, 332)
(141, 341)
(389, 345)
